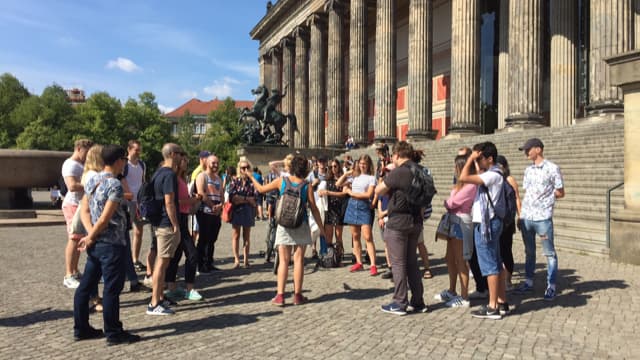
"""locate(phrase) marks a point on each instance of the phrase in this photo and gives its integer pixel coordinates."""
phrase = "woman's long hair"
(356, 169)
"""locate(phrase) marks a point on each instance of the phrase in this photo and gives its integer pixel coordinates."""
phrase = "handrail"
(609, 212)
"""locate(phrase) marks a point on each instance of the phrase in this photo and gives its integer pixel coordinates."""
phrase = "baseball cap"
(533, 142)
(204, 154)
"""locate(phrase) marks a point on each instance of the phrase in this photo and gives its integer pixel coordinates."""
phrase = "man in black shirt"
(401, 234)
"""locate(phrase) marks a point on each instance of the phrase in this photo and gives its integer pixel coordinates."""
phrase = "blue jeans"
(489, 251)
(108, 261)
(544, 229)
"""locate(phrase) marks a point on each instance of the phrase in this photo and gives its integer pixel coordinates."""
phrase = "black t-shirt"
(402, 215)
(166, 182)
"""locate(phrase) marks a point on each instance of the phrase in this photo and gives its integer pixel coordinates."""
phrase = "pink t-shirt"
(183, 194)
(461, 201)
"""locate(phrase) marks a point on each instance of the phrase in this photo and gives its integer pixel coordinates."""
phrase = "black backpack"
(63, 186)
(290, 210)
(331, 258)
(149, 208)
(506, 208)
(421, 190)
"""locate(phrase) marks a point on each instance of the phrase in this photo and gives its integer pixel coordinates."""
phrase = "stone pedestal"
(624, 72)
(261, 155)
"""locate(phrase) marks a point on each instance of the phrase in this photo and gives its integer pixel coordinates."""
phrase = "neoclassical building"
(424, 69)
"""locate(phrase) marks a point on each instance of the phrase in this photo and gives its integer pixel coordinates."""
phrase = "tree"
(186, 138)
(223, 136)
(12, 93)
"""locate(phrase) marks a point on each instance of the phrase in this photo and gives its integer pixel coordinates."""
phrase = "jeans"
(401, 246)
(544, 229)
(188, 247)
(108, 261)
(130, 270)
(489, 251)
(209, 230)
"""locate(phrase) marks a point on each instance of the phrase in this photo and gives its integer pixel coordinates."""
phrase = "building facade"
(199, 111)
(423, 69)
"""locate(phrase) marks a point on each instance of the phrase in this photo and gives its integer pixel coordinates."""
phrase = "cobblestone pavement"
(594, 316)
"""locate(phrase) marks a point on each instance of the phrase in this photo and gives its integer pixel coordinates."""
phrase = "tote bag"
(444, 226)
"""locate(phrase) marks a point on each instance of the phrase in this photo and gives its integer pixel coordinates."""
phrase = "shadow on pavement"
(35, 317)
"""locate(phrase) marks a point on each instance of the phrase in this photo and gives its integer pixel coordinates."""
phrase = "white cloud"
(188, 94)
(221, 88)
(165, 109)
(123, 64)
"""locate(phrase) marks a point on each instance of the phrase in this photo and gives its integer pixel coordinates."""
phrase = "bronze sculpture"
(263, 123)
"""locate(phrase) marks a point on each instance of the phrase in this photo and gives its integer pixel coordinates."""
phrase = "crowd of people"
(101, 208)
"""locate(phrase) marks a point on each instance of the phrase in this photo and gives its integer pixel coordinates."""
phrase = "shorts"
(69, 211)
(489, 251)
(168, 241)
(294, 236)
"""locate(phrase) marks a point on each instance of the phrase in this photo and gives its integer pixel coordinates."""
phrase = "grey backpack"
(290, 209)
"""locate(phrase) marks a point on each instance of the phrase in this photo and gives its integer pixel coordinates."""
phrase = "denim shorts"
(489, 251)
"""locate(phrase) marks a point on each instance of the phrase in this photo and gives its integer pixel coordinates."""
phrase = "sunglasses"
(244, 167)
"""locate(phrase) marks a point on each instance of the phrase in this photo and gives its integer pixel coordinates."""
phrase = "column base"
(389, 140)
(625, 237)
(457, 132)
(518, 122)
(422, 135)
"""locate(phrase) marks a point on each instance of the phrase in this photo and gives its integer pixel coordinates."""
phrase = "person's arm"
(172, 211)
(464, 195)
(85, 214)
(125, 185)
(314, 209)
(270, 186)
(73, 184)
(514, 185)
(343, 179)
(559, 193)
(363, 195)
(465, 175)
(382, 188)
(109, 209)
(201, 189)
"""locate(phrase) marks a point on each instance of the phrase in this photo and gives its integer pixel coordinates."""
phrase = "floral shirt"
(540, 183)
(242, 188)
(99, 189)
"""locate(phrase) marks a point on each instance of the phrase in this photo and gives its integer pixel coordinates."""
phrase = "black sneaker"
(91, 333)
(139, 287)
(417, 309)
(139, 266)
(124, 337)
(213, 268)
(387, 275)
(504, 308)
(486, 312)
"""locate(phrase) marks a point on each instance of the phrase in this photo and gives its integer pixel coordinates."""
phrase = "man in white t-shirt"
(72, 169)
(134, 177)
(316, 179)
(488, 226)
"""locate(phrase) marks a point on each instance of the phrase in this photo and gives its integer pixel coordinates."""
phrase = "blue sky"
(176, 49)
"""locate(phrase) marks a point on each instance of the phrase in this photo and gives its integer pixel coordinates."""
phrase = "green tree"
(12, 93)
(186, 137)
(223, 136)
(101, 115)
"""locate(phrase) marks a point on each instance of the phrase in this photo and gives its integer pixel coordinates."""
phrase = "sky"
(177, 50)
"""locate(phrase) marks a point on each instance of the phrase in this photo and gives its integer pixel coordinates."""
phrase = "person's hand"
(323, 192)
(128, 196)
(349, 172)
(475, 155)
(216, 209)
(252, 201)
(381, 223)
(519, 224)
(85, 243)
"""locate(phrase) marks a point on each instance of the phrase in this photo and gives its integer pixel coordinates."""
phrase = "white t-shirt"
(362, 182)
(493, 181)
(73, 168)
(134, 178)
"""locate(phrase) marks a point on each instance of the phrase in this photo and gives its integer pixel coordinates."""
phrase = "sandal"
(427, 274)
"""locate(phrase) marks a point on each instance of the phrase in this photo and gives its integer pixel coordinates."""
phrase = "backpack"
(149, 208)
(330, 259)
(421, 190)
(506, 208)
(63, 186)
(289, 210)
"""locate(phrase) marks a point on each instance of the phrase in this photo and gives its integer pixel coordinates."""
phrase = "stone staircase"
(590, 155)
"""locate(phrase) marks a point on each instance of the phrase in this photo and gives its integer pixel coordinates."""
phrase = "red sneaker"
(373, 271)
(278, 300)
(298, 299)
(356, 267)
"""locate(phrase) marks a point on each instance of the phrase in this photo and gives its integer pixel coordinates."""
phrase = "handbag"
(76, 223)
(227, 212)
(442, 232)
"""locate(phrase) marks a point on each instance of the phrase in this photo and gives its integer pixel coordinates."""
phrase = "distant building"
(76, 96)
(199, 110)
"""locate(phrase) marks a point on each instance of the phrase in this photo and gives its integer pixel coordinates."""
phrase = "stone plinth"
(261, 155)
(624, 72)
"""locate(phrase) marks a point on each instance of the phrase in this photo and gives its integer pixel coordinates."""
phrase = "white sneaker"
(159, 310)
(445, 295)
(458, 301)
(479, 295)
(148, 282)
(70, 282)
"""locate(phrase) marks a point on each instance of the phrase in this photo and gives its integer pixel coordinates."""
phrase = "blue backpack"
(505, 208)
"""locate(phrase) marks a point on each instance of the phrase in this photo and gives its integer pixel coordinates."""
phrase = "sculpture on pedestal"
(263, 123)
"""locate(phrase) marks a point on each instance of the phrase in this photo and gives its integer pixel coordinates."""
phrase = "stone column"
(316, 81)
(420, 70)
(525, 64)
(637, 24)
(465, 68)
(503, 64)
(564, 50)
(288, 86)
(302, 87)
(335, 74)
(358, 74)
(385, 113)
(276, 67)
(265, 70)
(611, 32)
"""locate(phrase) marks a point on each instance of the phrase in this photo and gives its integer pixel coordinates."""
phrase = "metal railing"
(609, 191)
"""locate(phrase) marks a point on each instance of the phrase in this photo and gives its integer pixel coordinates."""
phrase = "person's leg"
(545, 230)
(191, 259)
(424, 254)
(461, 267)
(506, 253)
(371, 247)
(112, 261)
(397, 246)
(487, 250)
(529, 238)
(71, 257)
(481, 281)
(298, 268)
(89, 281)
(167, 243)
(130, 269)
(172, 269)
(328, 231)
(235, 239)
(357, 245)
(283, 267)
(246, 244)
(451, 266)
(413, 269)
(216, 224)
(153, 251)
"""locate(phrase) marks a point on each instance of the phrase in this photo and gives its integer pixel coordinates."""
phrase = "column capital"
(301, 31)
(287, 42)
(274, 51)
(334, 5)
(316, 19)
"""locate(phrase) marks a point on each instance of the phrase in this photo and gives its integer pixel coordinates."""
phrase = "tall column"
(385, 113)
(288, 86)
(503, 64)
(335, 74)
(302, 87)
(465, 68)
(358, 74)
(637, 24)
(265, 70)
(316, 81)
(420, 70)
(564, 48)
(525, 64)
(276, 69)
(611, 32)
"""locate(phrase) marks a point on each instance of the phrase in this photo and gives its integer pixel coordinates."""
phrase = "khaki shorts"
(168, 241)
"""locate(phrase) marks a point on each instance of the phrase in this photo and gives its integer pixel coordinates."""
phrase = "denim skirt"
(358, 212)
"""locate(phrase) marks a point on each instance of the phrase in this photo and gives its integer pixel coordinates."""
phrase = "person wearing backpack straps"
(506, 238)
(293, 240)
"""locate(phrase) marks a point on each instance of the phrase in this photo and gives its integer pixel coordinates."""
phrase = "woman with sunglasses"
(334, 216)
(358, 214)
(243, 195)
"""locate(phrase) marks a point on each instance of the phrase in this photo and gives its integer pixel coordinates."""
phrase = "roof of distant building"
(199, 107)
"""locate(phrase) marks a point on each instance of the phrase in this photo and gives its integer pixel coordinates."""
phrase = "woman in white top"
(359, 211)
